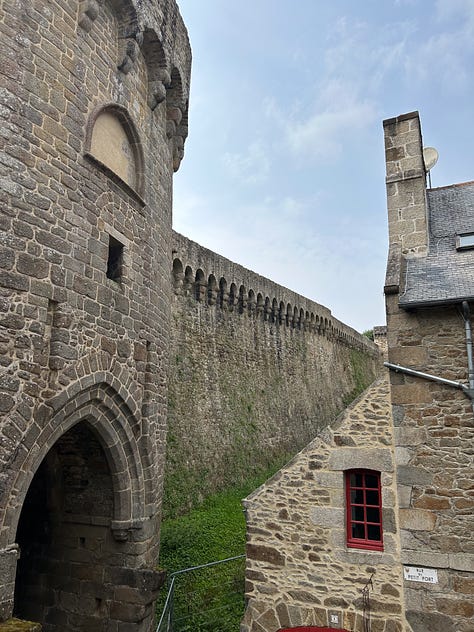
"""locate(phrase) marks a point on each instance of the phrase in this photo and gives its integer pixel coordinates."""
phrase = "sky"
(284, 167)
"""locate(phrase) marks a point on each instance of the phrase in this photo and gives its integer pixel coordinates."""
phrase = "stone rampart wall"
(256, 370)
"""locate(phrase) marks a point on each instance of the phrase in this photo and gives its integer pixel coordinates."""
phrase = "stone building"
(94, 106)
(429, 293)
(380, 504)
(380, 338)
(300, 569)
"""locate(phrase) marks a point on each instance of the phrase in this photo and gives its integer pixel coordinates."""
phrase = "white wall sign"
(417, 574)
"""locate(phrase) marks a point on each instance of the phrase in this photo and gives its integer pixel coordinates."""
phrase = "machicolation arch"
(230, 295)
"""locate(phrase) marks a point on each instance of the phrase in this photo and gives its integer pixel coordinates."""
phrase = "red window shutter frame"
(363, 542)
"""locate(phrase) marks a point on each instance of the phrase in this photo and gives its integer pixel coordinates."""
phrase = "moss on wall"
(245, 393)
(16, 625)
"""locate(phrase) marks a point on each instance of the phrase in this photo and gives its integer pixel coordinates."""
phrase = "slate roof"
(445, 275)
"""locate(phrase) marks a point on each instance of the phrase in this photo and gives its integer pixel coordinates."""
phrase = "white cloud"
(446, 56)
(348, 91)
(250, 167)
(447, 9)
(321, 135)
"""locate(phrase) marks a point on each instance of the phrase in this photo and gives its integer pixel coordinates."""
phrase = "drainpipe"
(467, 324)
(432, 378)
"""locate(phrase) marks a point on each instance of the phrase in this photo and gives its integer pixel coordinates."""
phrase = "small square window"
(115, 260)
(465, 241)
(364, 510)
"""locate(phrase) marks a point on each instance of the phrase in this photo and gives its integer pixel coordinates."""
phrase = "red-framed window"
(364, 510)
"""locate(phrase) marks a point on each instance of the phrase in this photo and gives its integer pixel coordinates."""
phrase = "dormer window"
(465, 241)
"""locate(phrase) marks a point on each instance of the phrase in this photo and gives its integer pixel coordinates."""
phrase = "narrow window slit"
(115, 260)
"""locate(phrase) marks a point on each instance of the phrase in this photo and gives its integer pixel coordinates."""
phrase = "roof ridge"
(452, 186)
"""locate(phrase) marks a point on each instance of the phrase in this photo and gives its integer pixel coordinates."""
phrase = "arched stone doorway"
(79, 512)
(64, 535)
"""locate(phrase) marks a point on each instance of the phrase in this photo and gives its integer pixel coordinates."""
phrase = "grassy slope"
(211, 600)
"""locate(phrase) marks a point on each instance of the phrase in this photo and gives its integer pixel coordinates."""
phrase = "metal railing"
(205, 598)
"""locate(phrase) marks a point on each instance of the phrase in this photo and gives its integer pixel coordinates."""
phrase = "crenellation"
(288, 308)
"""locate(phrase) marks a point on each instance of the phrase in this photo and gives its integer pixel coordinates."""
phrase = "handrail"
(168, 606)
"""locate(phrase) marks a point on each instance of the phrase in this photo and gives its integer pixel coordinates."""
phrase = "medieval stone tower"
(94, 102)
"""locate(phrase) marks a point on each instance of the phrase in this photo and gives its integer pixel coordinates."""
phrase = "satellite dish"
(430, 157)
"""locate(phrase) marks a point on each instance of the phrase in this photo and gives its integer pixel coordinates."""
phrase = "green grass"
(209, 600)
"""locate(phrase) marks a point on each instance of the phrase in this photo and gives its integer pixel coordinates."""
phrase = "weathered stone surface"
(462, 561)
(245, 342)
(432, 621)
(84, 322)
(266, 554)
(370, 458)
(433, 422)
(411, 475)
(319, 567)
(327, 516)
(417, 520)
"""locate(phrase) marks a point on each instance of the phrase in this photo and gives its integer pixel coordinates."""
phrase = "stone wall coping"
(454, 561)
(402, 117)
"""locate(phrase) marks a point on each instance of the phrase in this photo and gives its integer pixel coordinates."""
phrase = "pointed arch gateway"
(80, 496)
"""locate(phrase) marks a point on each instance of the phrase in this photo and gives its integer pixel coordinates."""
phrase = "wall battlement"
(212, 279)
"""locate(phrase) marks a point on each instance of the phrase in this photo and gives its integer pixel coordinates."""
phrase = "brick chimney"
(406, 185)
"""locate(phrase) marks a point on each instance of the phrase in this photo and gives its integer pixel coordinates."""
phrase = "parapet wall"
(256, 371)
(211, 278)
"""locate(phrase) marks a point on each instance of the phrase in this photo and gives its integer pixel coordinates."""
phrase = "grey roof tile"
(445, 275)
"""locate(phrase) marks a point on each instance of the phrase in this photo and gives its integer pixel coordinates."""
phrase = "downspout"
(467, 324)
(432, 378)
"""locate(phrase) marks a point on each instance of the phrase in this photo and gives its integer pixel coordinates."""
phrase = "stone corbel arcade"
(215, 281)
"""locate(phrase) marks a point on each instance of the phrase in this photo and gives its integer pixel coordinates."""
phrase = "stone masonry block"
(404, 436)
(403, 455)
(462, 561)
(373, 458)
(412, 356)
(425, 558)
(432, 621)
(413, 475)
(327, 517)
(404, 495)
(417, 520)
(266, 554)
